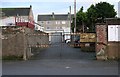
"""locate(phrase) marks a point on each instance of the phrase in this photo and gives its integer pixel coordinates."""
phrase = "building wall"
(31, 16)
(56, 26)
(24, 18)
(39, 28)
(8, 21)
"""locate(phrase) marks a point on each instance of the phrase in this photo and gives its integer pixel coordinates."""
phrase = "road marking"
(67, 67)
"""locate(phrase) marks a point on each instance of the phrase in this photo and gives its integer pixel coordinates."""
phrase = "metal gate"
(55, 47)
(56, 37)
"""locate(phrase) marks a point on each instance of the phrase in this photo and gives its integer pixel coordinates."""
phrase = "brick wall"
(105, 49)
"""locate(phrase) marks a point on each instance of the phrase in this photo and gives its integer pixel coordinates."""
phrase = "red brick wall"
(101, 38)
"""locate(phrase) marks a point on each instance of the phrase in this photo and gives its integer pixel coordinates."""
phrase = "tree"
(92, 16)
(105, 10)
(81, 18)
(101, 10)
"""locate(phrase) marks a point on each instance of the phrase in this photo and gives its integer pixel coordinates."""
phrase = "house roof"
(53, 17)
(15, 11)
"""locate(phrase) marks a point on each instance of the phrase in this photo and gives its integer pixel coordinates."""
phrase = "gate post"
(24, 38)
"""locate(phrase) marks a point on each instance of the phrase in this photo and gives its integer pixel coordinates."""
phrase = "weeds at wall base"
(12, 57)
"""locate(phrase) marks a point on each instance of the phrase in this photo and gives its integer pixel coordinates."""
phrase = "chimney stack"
(53, 15)
(30, 6)
(68, 15)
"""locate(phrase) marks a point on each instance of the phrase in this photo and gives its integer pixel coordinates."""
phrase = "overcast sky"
(56, 6)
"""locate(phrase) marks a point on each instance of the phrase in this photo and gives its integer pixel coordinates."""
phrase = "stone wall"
(113, 50)
(17, 41)
(12, 42)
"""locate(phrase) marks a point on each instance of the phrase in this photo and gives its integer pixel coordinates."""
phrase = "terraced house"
(17, 17)
(57, 25)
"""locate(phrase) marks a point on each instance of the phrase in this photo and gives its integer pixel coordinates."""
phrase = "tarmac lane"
(63, 51)
(60, 59)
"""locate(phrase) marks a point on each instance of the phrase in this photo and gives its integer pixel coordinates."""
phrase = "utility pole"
(70, 23)
(75, 16)
(70, 19)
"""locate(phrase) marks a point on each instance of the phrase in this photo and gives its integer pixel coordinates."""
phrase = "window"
(48, 28)
(58, 27)
(57, 22)
(47, 22)
(42, 22)
(36, 27)
(63, 22)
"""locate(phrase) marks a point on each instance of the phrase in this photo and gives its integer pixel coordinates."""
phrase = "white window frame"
(63, 22)
(57, 22)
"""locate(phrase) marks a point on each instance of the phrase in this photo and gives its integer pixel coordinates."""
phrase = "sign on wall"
(113, 32)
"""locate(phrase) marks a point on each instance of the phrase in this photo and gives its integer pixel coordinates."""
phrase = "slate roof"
(15, 11)
(55, 17)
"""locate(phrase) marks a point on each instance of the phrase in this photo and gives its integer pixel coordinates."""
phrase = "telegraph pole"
(75, 16)
(70, 19)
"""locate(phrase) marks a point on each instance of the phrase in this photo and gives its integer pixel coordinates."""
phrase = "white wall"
(67, 31)
(40, 28)
(11, 20)
(64, 31)
(113, 32)
(7, 21)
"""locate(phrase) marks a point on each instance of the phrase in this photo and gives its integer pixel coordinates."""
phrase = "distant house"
(56, 23)
(38, 27)
(17, 17)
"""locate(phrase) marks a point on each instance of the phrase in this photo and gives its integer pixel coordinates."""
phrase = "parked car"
(68, 41)
(77, 41)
